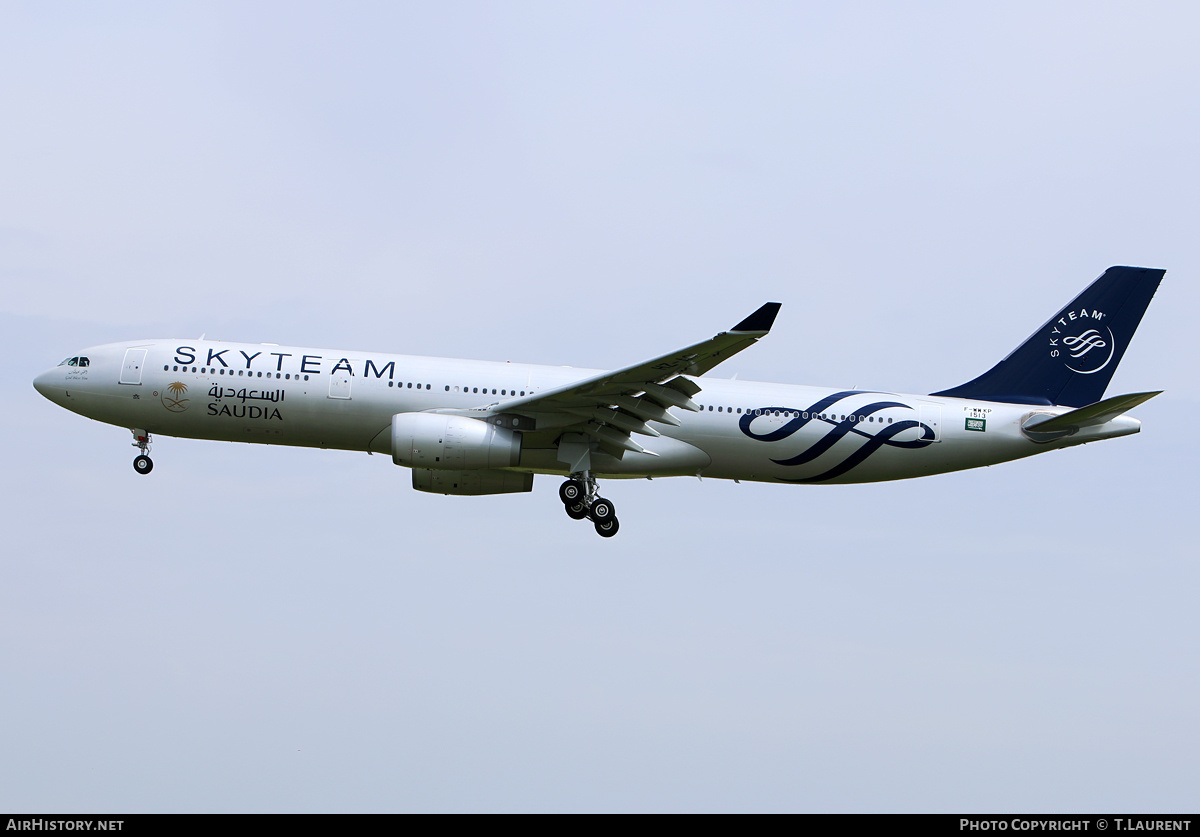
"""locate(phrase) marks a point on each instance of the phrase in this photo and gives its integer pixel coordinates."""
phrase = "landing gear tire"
(571, 492)
(607, 528)
(143, 464)
(602, 510)
(576, 511)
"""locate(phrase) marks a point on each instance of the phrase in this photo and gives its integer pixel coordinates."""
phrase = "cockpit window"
(76, 361)
(83, 361)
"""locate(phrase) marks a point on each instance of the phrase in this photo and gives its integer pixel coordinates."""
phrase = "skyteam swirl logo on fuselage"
(854, 425)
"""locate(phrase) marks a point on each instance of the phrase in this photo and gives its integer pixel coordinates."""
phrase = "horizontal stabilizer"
(1101, 412)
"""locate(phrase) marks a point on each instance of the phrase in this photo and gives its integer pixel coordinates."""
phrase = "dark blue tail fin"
(1071, 359)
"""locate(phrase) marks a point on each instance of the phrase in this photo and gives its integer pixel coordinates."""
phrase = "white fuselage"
(346, 400)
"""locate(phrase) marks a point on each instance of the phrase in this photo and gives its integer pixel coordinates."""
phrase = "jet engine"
(451, 443)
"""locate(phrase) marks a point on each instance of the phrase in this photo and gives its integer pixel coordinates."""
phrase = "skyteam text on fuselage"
(478, 427)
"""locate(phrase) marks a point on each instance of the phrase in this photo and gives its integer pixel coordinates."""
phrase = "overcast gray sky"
(921, 185)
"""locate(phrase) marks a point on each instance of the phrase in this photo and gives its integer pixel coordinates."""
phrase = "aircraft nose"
(45, 384)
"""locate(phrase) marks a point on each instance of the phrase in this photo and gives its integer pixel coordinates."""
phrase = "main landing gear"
(580, 499)
(142, 463)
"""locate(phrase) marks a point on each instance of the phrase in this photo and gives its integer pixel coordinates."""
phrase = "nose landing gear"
(142, 463)
(580, 499)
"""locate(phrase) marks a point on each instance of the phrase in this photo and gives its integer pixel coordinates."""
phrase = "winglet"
(760, 320)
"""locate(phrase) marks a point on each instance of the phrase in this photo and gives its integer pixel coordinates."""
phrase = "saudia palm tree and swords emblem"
(172, 397)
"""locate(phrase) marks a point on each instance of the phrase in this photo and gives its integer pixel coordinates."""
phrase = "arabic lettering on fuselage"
(243, 410)
(217, 392)
(837, 429)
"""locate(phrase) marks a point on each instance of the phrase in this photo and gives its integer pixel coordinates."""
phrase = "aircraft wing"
(612, 405)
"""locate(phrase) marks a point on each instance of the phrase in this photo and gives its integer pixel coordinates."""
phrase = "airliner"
(471, 427)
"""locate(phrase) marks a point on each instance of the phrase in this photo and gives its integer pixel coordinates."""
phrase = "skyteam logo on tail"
(1082, 340)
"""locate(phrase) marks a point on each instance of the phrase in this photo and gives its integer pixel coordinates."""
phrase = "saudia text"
(244, 410)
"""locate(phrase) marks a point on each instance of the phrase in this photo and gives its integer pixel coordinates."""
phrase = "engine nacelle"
(452, 443)
(471, 482)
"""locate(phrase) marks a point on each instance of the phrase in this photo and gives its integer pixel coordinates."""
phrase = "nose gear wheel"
(142, 463)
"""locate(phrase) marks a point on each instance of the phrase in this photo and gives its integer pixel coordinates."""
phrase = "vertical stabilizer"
(1070, 360)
